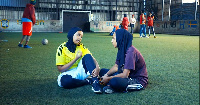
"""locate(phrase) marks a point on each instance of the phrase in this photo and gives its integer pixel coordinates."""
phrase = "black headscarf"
(124, 41)
(70, 44)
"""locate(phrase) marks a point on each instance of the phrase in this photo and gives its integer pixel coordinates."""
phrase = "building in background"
(103, 10)
(98, 10)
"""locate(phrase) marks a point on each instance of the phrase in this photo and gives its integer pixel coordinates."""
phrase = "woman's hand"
(78, 54)
(95, 72)
(105, 79)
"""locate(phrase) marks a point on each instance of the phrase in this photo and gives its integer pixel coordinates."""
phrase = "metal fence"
(102, 10)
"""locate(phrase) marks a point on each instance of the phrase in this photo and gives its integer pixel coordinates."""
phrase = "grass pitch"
(28, 76)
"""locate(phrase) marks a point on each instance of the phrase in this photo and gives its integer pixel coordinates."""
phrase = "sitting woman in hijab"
(129, 71)
(75, 63)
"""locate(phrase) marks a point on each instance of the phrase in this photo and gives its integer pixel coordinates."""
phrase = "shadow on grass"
(46, 91)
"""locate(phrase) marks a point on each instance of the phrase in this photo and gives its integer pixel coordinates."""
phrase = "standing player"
(132, 23)
(143, 24)
(114, 29)
(28, 20)
(125, 22)
(150, 24)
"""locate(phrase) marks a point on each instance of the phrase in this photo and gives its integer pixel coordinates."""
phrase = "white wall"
(40, 26)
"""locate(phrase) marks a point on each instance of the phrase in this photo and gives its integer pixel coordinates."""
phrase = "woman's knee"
(114, 82)
(88, 63)
(103, 71)
(119, 84)
(66, 81)
(87, 56)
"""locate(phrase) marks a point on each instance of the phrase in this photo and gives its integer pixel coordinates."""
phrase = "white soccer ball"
(44, 41)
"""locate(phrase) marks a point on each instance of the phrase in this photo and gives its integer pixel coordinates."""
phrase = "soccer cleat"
(141, 37)
(108, 90)
(133, 84)
(27, 46)
(89, 80)
(134, 87)
(20, 45)
(96, 87)
(147, 37)
(154, 36)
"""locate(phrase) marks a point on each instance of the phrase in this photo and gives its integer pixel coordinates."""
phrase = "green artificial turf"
(29, 76)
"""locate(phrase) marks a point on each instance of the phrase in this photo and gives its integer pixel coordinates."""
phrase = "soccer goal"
(76, 19)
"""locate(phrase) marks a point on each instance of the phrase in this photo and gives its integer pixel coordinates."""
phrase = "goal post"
(72, 18)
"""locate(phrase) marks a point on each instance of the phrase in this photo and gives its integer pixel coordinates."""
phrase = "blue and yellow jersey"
(64, 56)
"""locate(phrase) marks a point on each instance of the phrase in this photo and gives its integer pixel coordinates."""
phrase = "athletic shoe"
(96, 87)
(147, 37)
(89, 80)
(27, 46)
(134, 85)
(20, 45)
(108, 90)
(141, 37)
(154, 36)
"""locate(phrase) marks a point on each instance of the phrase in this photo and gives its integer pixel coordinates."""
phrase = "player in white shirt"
(132, 23)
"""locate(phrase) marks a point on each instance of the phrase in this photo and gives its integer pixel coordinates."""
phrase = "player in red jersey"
(28, 20)
(125, 22)
(150, 24)
(143, 24)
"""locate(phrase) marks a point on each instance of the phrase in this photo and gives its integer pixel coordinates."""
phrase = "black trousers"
(117, 83)
(88, 64)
